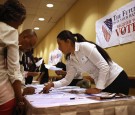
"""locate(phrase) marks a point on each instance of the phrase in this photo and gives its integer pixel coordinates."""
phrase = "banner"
(117, 28)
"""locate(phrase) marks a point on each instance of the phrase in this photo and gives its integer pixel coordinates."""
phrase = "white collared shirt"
(86, 58)
(9, 39)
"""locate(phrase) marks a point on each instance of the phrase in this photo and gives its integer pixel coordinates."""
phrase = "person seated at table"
(44, 75)
(77, 80)
(61, 72)
(91, 58)
(84, 83)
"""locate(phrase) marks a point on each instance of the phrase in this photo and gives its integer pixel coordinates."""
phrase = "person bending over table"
(87, 56)
(12, 15)
(27, 40)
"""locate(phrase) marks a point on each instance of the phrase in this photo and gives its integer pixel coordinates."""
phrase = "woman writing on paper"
(86, 56)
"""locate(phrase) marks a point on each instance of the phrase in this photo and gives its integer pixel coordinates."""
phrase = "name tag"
(84, 59)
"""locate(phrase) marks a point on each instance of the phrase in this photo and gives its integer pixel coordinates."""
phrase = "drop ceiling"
(37, 9)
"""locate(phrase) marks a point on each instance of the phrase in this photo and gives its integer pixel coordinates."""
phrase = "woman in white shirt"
(86, 56)
(12, 14)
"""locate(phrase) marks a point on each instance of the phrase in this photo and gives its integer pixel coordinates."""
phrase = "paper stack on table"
(52, 67)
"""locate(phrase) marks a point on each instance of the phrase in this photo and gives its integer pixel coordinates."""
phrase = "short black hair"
(12, 11)
(61, 65)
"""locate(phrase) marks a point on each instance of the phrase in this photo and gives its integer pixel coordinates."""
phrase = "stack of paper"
(52, 67)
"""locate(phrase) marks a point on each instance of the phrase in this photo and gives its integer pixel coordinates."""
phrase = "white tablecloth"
(61, 102)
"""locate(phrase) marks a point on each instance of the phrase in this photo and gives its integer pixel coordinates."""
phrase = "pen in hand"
(40, 92)
(47, 87)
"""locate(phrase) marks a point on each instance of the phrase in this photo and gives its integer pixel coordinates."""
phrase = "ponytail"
(64, 35)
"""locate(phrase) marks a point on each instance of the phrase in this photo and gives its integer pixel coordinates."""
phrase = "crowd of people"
(18, 65)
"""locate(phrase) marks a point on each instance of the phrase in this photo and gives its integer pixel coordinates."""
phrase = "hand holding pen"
(47, 87)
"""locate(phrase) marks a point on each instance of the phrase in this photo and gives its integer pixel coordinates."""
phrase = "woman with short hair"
(12, 15)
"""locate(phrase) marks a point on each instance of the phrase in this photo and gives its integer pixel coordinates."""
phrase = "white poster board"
(55, 56)
(117, 28)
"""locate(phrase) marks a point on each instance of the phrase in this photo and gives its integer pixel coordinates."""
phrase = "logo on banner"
(107, 29)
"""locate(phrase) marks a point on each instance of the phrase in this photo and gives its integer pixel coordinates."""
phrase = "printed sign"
(55, 57)
(117, 28)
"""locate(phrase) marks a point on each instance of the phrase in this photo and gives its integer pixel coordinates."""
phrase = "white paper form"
(39, 63)
(52, 67)
(58, 97)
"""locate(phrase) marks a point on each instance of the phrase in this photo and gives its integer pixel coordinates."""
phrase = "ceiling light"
(36, 28)
(49, 5)
(41, 19)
